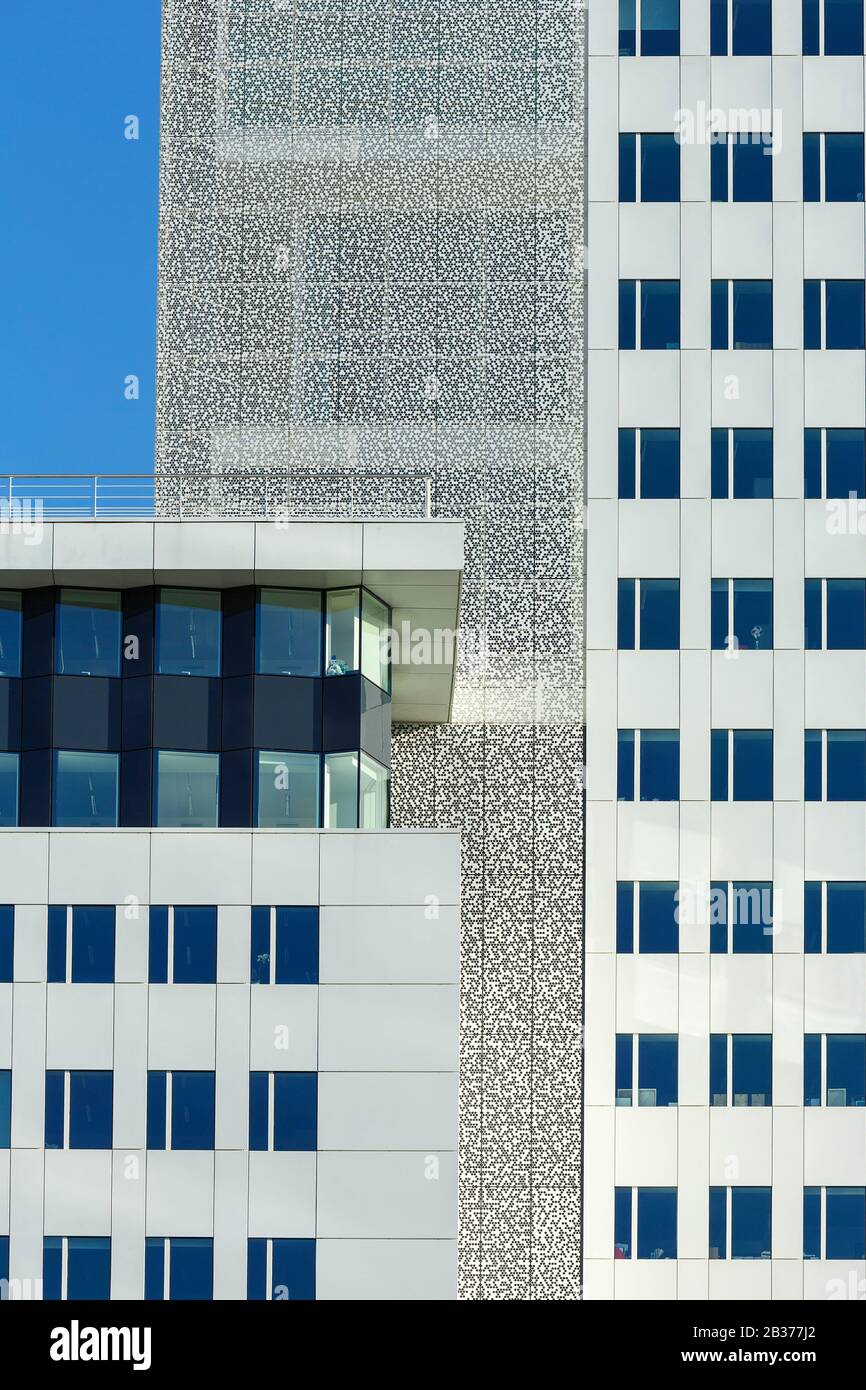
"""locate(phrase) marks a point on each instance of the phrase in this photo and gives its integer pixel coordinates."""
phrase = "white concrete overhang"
(416, 566)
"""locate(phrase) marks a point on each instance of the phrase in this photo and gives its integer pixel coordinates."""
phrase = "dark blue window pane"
(4, 1265)
(753, 168)
(811, 1223)
(297, 946)
(719, 922)
(846, 1223)
(93, 931)
(10, 633)
(156, 1101)
(812, 168)
(718, 1223)
(813, 762)
(753, 614)
(625, 765)
(625, 615)
(843, 27)
(624, 1068)
(718, 1069)
(7, 943)
(660, 315)
(659, 614)
(659, 765)
(88, 1268)
(752, 28)
(753, 765)
(719, 315)
(751, 916)
(622, 1223)
(752, 1068)
(846, 463)
(259, 1110)
(753, 314)
(812, 924)
(5, 1109)
(154, 1269)
(719, 28)
(8, 789)
(659, 463)
(627, 312)
(85, 789)
(659, 169)
(192, 1110)
(260, 946)
(751, 1223)
(289, 632)
(719, 464)
(657, 1069)
(190, 1272)
(811, 1068)
(627, 168)
(813, 606)
(626, 463)
(719, 628)
(660, 28)
(56, 945)
(295, 1103)
(188, 623)
(157, 956)
(90, 1109)
(52, 1268)
(846, 918)
(294, 1270)
(625, 918)
(843, 167)
(812, 314)
(719, 764)
(54, 1092)
(658, 922)
(846, 323)
(719, 168)
(846, 1069)
(627, 29)
(812, 463)
(657, 1223)
(88, 633)
(753, 464)
(257, 1270)
(846, 614)
(846, 765)
(195, 945)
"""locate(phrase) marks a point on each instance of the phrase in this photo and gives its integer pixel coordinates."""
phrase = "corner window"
(8, 789)
(289, 632)
(188, 631)
(375, 627)
(287, 790)
(342, 632)
(186, 788)
(85, 789)
(10, 633)
(87, 641)
(374, 794)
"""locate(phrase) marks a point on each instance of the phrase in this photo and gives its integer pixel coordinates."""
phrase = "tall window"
(85, 791)
(186, 790)
(87, 640)
(188, 632)
(9, 789)
(287, 789)
(289, 632)
(10, 633)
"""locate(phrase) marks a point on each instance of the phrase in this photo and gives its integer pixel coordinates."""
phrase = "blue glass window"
(85, 789)
(156, 1109)
(752, 1068)
(843, 27)
(186, 789)
(659, 765)
(718, 1069)
(4, 1265)
(88, 1268)
(846, 463)
(260, 946)
(660, 315)
(753, 314)
(750, 913)
(627, 315)
(813, 608)
(752, 159)
(812, 485)
(718, 1236)
(812, 918)
(57, 945)
(844, 169)
(751, 1223)
(259, 1092)
(719, 191)
(628, 167)
(719, 781)
(195, 945)
(659, 169)
(625, 918)
(626, 470)
(657, 1069)
(846, 765)
(295, 1101)
(813, 756)
(190, 1269)
(293, 1270)
(8, 789)
(625, 765)
(5, 1109)
(622, 1213)
(811, 167)
(7, 944)
(289, 632)
(811, 1223)
(659, 28)
(87, 640)
(627, 28)
(659, 463)
(846, 614)
(846, 1069)
(297, 944)
(192, 1110)
(154, 1269)
(812, 1069)
(287, 790)
(157, 953)
(658, 920)
(719, 920)
(812, 315)
(93, 936)
(753, 765)
(624, 1068)
(656, 1223)
(846, 1223)
(188, 630)
(752, 464)
(625, 615)
(811, 27)
(845, 314)
(846, 918)
(90, 1109)
(10, 633)
(752, 32)
(659, 614)
(753, 614)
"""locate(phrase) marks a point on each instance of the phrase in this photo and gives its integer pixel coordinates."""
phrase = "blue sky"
(77, 234)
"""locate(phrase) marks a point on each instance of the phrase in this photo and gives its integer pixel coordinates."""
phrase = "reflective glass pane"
(751, 1223)
(192, 1109)
(85, 789)
(753, 765)
(341, 790)
(753, 168)
(660, 169)
(659, 614)
(659, 463)
(8, 789)
(293, 1274)
(718, 1223)
(295, 1112)
(751, 915)
(288, 790)
(752, 1067)
(660, 315)
(188, 629)
(90, 1109)
(10, 633)
(846, 1223)
(660, 28)
(190, 1269)
(341, 632)
(289, 633)
(753, 463)
(752, 28)
(375, 786)
(845, 315)
(657, 921)
(843, 27)
(843, 167)
(88, 1267)
(375, 622)
(195, 945)
(87, 641)
(753, 614)
(93, 941)
(846, 614)
(846, 1069)
(846, 918)
(657, 1069)
(753, 314)
(659, 765)
(846, 463)
(657, 1223)
(846, 765)
(186, 791)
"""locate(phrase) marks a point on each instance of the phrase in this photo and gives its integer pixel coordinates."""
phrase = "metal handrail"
(303, 492)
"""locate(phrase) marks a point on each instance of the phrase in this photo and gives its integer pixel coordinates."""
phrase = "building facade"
(726, 974)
